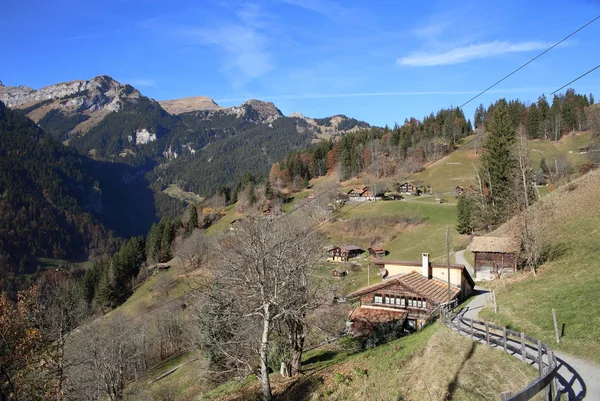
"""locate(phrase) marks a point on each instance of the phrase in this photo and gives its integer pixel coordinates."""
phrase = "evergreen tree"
(532, 122)
(268, 190)
(479, 116)
(498, 162)
(591, 99)
(193, 219)
(166, 240)
(464, 216)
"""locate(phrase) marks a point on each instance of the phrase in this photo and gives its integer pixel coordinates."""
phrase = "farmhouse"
(459, 276)
(343, 252)
(494, 256)
(376, 252)
(361, 194)
(408, 188)
(409, 296)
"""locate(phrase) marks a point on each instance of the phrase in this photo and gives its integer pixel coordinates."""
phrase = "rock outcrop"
(99, 92)
(256, 111)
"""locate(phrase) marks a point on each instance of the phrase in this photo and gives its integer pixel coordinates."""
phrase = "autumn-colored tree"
(21, 346)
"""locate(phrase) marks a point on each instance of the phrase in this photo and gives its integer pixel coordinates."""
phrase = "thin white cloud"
(472, 52)
(244, 43)
(378, 94)
(244, 48)
(142, 82)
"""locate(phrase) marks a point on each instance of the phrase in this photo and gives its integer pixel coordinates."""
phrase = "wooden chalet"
(361, 194)
(339, 273)
(357, 192)
(343, 253)
(407, 188)
(459, 275)
(376, 252)
(409, 296)
(494, 256)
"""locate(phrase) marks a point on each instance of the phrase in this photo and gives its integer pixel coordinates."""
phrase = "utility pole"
(448, 252)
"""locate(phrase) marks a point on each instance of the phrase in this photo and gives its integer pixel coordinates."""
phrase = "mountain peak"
(266, 112)
(187, 104)
(22, 95)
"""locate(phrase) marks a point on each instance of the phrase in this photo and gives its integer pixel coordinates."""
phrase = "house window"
(425, 303)
(403, 302)
(412, 324)
(410, 302)
(419, 303)
(378, 299)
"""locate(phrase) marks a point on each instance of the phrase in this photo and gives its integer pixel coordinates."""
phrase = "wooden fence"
(531, 350)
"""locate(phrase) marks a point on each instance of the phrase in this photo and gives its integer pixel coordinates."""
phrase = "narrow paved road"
(582, 378)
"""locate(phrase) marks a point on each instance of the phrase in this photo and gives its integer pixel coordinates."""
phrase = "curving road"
(580, 379)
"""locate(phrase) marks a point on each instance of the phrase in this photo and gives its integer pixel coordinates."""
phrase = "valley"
(206, 184)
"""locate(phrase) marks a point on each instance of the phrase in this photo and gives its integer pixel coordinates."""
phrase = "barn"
(494, 256)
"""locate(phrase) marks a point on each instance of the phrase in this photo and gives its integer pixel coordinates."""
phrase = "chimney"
(426, 267)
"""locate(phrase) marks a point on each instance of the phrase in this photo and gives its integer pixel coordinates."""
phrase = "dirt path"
(579, 379)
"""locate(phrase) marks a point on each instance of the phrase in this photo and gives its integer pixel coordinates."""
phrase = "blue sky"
(378, 61)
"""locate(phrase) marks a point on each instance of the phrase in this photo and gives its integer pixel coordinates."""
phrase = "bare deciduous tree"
(106, 355)
(262, 279)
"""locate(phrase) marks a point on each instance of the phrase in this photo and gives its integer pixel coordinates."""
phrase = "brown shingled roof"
(365, 318)
(370, 288)
(494, 244)
(432, 288)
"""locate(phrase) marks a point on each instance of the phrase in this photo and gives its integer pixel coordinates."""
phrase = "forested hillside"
(47, 198)
(380, 152)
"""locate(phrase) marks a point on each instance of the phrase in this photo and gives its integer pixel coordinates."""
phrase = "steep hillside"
(458, 168)
(48, 197)
(570, 283)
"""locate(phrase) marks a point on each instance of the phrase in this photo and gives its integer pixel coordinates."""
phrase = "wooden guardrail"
(529, 349)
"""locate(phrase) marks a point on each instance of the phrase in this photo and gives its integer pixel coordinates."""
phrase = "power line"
(529, 62)
(475, 97)
(576, 79)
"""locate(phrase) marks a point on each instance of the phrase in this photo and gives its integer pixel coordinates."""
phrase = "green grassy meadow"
(569, 284)
(431, 364)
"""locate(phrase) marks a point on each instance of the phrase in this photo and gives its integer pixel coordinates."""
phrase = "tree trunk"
(264, 369)
(297, 337)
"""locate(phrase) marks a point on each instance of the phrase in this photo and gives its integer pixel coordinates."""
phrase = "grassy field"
(458, 168)
(407, 243)
(570, 284)
(175, 192)
(433, 364)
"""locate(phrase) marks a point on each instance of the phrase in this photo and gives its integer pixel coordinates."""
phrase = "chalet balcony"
(410, 309)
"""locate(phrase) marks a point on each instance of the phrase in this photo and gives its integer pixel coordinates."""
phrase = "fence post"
(495, 304)
(523, 353)
(505, 395)
(553, 382)
(555, 326)
(487, 333)
(540, 364)
(504, 339)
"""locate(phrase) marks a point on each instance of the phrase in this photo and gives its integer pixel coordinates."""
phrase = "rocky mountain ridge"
(194, 141)
(100, 89)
